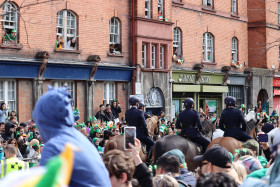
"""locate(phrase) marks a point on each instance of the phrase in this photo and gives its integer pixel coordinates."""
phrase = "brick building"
(42, 53)
(263, 51)
(210, 52)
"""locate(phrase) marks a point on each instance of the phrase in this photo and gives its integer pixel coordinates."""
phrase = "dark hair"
(101, 105)
(3, 123)
(13, 139)
(215, 180)
(108, 105)
(1, 107)
(118, 163)
(73, 44)
(13, 117)
(169, 163)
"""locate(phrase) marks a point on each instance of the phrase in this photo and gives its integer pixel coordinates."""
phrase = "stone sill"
(11, 46)
(177, 3)
(67, 51)
(115, 55)
(155, 70)
(209, 63)
(235, 15)
(208, 8)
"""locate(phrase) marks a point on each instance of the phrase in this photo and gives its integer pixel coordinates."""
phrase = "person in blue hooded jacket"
(54, 117)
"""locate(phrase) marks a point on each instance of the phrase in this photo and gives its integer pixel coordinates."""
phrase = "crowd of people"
(28, 144)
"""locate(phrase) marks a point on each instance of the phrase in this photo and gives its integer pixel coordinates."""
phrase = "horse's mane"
(250, 125)
(207, 128)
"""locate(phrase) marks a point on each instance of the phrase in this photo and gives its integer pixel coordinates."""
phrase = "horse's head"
(251, 116)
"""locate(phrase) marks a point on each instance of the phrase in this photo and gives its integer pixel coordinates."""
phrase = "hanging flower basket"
(236, 64)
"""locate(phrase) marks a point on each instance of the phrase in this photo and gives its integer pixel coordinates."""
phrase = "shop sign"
(276, 82)
(191, 78)
(276, 92)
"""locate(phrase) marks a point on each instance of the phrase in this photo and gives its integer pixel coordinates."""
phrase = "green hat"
(14, 30)
(115, 100)
(98, 131)
(94, 140)
(178, 153)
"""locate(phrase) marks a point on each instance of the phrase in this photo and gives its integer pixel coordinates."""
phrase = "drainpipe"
(133, 53)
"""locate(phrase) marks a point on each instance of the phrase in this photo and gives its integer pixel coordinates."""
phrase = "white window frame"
(234, 6)
(160, 6)
(6, 90)
(161, 54)
(153, 56)
(147, 8)
(144, 55)
(109, 92)
(234, 49)
(114, 31)
(208, 46)
(10, 16)
(70, 85)
(279, 13)
(207, 3)
(69, 23)
(177, 40)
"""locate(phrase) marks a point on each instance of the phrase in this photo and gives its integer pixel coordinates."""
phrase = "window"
(153, 55)
(161, 61)
(279, 13)
(177, 47)
(237, 92)
(234, 6)
(147, 8)
(208, 48)
(8, 93)
(207, 3)
(234, 50)
(109, 92)
(144, 55)
(10, 23)
(160, 9)
(114, 31)
(71, 88)
(66, 30)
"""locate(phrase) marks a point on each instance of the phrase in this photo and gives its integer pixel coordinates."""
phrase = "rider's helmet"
(230, 101)
(189, 102)
(141, 105)
(133, 100)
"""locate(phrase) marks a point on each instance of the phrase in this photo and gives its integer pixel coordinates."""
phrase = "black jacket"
(143, 175)
(100, 116)
(232, 118)
(135, 117)
(188, 118)
(7, 135)
(109, 116)
(116, 111)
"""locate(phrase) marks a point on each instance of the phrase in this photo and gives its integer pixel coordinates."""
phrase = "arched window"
(234, 50)
(10, 22)
(208, 47)
(114, 31)
(66, 30)
(177, 44)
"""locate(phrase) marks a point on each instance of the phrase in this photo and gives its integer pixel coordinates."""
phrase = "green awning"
(186, 88)
(216, 89)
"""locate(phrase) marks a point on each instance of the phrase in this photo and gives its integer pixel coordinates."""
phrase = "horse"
(152, 125)
(207, 129)
(170, 142)
(228, 143)
(117, 142)
(252, 127)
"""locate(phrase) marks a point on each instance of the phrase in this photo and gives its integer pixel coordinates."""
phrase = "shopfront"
(236, 88)
(276, 94)
(206, 90)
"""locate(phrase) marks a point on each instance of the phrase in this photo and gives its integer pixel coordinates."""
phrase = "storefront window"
(238, 93)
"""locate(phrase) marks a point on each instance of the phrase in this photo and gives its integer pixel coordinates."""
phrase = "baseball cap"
(217, 155)
(14, 30)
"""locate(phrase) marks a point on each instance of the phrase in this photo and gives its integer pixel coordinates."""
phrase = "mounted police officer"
(189, 123)
(135, 117)
(141, 107)
(230, 121)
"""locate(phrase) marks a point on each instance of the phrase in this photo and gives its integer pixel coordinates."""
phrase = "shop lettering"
(205, 79)
(186, 78)
(191, 78)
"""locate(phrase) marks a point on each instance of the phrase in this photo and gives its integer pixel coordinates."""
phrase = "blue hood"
(53, 113)
(54, 118)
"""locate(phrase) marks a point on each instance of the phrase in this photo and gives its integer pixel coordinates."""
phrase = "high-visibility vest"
(12, 164)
